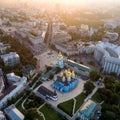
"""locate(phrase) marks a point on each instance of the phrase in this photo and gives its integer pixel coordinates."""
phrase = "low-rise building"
(84, 27)
(13, 113)
(60, 36)
(72, 29)
(12, 78)
(111, 36)
(10, 59)
(69, 48)
(110, 25)
(8, 30)
(87, 48)
(3, 48)
(2, 86)
(90, 110)
(12, 91)
(2, 116)
(80, 70)
(108, 55)
(46, 93)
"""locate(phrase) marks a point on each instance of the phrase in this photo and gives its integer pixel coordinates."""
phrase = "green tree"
(48, 68)
(30, 114)
(88, 87)
(109, 82)
(51, 76)
(58, 70)
(117, 86)
(109, 116)
(94, 75)
(114, 99)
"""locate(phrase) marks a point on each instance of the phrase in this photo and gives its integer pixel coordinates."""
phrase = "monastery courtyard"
(62, 97)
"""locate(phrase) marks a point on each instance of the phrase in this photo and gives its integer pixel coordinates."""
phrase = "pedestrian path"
(74, 106)
(40, 113)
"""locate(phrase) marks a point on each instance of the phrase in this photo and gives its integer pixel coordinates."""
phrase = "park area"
(68, 106)
(34, 107)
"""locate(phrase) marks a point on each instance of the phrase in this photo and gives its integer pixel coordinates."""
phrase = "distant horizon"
(61, 1)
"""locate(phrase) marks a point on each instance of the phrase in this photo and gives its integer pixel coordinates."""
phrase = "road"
(49, 32)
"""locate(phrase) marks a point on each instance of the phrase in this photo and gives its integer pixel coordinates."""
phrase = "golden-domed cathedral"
(60, 61)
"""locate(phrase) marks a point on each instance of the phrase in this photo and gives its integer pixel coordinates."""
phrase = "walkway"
(19, 99)
(91, 94)
(94, 91)
(23, 103)
(40, 113)
(74, 106)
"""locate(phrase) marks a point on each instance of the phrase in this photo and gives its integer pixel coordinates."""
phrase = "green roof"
(88, 108)
(79, 66)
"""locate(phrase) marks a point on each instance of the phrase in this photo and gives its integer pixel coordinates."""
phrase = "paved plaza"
(47, 58)
(62, 97)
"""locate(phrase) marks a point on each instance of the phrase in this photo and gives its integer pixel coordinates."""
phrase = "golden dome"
(60, 55)
(73, 74)
(69, 78)
(69, 73)
(63, 79)
(61, 74)
(66, 72)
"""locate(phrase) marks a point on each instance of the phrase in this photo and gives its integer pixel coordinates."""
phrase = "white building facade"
(108, 55)
(112, 64)
(10, 59)
(18, 87)
(2, 116)
(2, 86)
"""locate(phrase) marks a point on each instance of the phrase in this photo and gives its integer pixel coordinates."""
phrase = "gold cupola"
(63, 79)
(73, 74)
(59, 55)
(69, 73)
(66, 71)
(69, 78)
(61, 74)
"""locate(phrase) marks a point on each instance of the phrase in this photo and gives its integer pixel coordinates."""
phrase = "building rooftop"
(7, 91)
(88, 108)
(12, 77)
(44, 91)
(2, 116)
(109, 45)
(5, 57)
(1, 84)
(13, 113)
(79, 66)
(1, 72)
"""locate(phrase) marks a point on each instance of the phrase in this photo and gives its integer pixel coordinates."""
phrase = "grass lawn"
(33, 101)
(32, 114)
(19, 106)
(28, 114)
(96, 97)
(79, 101)
(50, 114)
(67, 106)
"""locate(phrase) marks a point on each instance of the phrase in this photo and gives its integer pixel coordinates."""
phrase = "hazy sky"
(61, 1)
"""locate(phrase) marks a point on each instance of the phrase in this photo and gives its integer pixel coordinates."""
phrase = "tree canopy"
(88, 87)
(94, 75)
